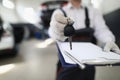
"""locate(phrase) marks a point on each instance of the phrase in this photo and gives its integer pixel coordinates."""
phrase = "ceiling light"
(8, 4)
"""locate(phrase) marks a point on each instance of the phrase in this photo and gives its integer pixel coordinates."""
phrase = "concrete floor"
(33, 63)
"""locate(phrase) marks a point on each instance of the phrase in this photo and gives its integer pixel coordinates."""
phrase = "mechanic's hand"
(111, 46)
(64, 24)
(63, 20)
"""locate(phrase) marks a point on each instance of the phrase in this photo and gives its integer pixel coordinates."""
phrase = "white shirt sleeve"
(56, 31)
(102, 32)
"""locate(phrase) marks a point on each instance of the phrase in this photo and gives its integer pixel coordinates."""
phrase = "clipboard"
(62, 60)
(95, 56)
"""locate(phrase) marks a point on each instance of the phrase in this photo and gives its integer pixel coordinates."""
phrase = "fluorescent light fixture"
(6, 68)
(96, 3)
(8, 4)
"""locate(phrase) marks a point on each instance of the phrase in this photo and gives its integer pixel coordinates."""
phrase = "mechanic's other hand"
(111, 46)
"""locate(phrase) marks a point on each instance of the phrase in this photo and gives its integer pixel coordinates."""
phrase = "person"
(76, 15)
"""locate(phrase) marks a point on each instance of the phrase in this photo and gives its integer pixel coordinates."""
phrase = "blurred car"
(46, 10)
(7, 43)
(23, 31)
(18, 32)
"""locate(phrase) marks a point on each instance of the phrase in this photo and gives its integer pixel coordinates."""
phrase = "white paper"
(87, 53)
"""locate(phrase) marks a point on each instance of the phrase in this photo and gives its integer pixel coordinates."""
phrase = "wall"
(107, 6)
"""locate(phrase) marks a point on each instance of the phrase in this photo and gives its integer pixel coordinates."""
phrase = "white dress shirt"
(102, 33)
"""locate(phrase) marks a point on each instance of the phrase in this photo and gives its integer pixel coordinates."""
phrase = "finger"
(116, 50)
(70, 21)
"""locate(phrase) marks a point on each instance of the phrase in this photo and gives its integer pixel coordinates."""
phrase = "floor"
(35, 62)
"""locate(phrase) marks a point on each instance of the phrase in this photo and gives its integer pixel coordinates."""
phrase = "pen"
(70, 41)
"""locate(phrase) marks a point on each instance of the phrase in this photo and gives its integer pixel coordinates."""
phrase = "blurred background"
(27, 52)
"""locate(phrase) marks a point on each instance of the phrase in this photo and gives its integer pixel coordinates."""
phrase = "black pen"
(70, 41)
